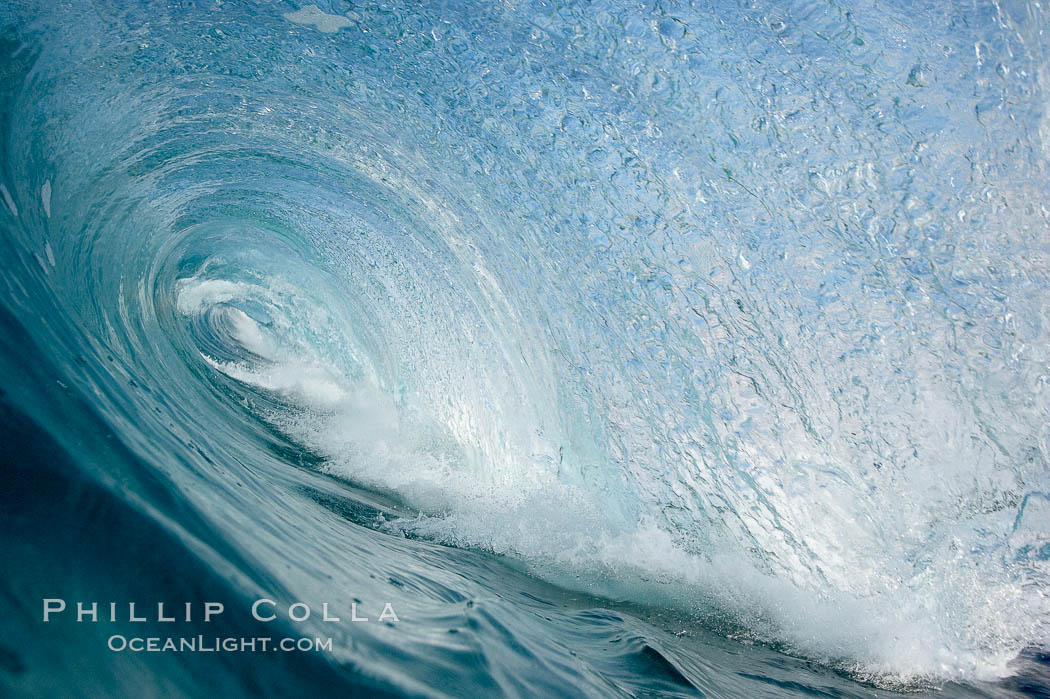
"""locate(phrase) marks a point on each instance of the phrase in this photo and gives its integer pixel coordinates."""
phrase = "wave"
(740, 312)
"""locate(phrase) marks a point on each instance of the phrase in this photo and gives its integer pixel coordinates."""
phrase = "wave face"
(739, 312)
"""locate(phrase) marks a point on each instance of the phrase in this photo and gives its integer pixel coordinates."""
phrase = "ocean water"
(623, 349)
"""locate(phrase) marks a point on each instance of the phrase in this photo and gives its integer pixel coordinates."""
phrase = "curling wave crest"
(739, 311)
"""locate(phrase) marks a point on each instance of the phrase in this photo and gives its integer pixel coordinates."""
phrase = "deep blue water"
(623, 349)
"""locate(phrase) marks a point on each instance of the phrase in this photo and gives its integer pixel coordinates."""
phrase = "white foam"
(194, 294)
(309, 385)
(563, 533)
(905, 622)
(250, 336)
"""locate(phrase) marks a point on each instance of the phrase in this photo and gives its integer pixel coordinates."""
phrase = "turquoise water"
(624, 349)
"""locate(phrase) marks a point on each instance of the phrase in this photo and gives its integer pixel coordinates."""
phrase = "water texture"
(628, 349)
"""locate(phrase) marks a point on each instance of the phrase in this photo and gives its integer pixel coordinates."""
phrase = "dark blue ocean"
(525, 348)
